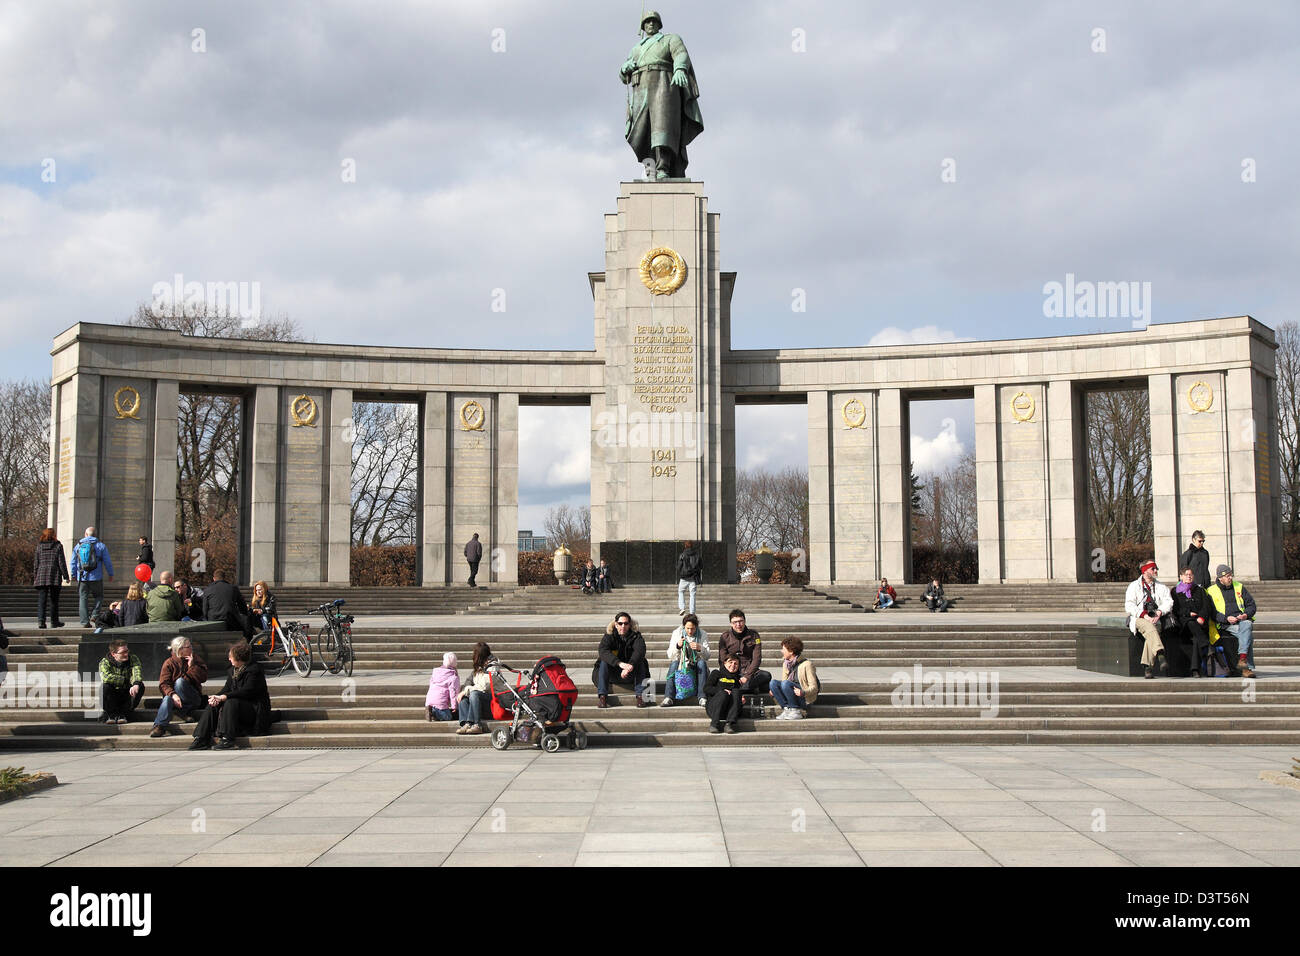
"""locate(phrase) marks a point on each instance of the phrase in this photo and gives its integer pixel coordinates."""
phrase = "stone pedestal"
(660, 445)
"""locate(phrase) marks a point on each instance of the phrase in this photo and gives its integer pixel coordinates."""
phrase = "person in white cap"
(1147, 601)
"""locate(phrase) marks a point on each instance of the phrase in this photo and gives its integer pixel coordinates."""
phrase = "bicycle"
(334, 642)
(285, 645)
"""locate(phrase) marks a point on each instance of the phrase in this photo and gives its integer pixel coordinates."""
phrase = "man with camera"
(1147, 603)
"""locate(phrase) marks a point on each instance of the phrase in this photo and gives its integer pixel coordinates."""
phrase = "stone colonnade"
(662, 384)
(1213, 438)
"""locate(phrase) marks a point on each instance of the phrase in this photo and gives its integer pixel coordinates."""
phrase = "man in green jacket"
(163, 602)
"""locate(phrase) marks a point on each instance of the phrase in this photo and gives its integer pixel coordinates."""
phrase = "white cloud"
(554, 448)
(892, 335)
(936, 455)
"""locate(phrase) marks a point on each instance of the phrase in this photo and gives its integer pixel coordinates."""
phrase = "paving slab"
(832, 806)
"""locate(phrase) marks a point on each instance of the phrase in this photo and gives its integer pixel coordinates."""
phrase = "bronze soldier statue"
(663, 112)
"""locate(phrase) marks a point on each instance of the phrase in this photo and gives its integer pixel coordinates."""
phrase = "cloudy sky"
(920, 170)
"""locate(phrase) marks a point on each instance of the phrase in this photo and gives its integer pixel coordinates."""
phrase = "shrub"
(950, 565)
(383, 566)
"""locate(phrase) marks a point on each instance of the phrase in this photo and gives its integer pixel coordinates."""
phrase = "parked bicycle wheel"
(272, 651)
(345, 651)
(330, 649)
(299, 651)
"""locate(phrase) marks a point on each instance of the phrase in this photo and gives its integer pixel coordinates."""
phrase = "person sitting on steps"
(886, 596)
(1147, 602)
(724, 697)
(621, 657)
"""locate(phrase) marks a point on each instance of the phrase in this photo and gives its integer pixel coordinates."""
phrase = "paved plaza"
(890, 806)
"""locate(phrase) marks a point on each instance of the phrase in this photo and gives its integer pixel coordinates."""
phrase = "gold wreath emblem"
(854, 413)
(303, 410)
(1023, 406)
(471, 417)
(131, 410)
(663, 271)
(1200, 397)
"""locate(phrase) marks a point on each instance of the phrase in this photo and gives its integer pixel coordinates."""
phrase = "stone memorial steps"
(391, 715)
(292, 600)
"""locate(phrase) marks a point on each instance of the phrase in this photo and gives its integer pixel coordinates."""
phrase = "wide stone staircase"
(1039, 698)
(1087, 597)
(293, 600)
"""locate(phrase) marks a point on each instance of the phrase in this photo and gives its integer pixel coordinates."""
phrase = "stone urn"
(764, 562)
(562, 564)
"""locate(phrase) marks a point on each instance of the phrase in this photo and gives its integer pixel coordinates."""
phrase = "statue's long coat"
(658, 113)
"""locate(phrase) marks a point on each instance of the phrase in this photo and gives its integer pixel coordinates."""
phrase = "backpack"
(88, 555)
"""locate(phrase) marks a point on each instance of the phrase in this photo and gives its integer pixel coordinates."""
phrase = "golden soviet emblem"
(126, 400)
(663, 271)
(1022, 407)
(854, 413)
(303, 410)
(472, 417)
(1200, 397)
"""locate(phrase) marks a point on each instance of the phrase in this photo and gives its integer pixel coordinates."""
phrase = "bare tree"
(772, 509)
(569, 526)
(24, 457)
(1119, 466)
(1288, 406)
(385, 459)
(948, 511)
(209, 426)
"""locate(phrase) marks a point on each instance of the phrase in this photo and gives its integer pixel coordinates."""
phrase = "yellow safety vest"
(1216, 595)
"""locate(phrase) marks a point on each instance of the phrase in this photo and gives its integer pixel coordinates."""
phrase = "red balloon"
(143, 573)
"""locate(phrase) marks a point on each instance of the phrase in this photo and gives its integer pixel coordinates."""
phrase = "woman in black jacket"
(1191, 614)
(243, 708)
(49, 571)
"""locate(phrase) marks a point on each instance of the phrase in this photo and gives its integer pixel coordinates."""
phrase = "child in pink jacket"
(444, 686)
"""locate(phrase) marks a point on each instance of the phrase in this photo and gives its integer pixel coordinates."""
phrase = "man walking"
(1234, 612)
(90, 562)
(1147, 601)
(473, 554)
(689, 569)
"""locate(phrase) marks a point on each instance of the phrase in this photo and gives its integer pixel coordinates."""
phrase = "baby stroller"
(539, 710)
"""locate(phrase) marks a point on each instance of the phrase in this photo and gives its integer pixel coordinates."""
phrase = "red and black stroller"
(539, 712)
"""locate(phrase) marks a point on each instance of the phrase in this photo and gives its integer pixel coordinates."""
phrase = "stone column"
(163, 525)
(471, 496)
(727, 468)
(1256, 550)
(1023, 491)
(304, 459)
(858, 476)
(504, 553)
(1164, 480)
(263, 468)
(603, 432)
(434, 551)
(126, 484)
(1066, 479)
(821, 546)
(76, 449)
(892, 436)
(338, 456)
(987, 484)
